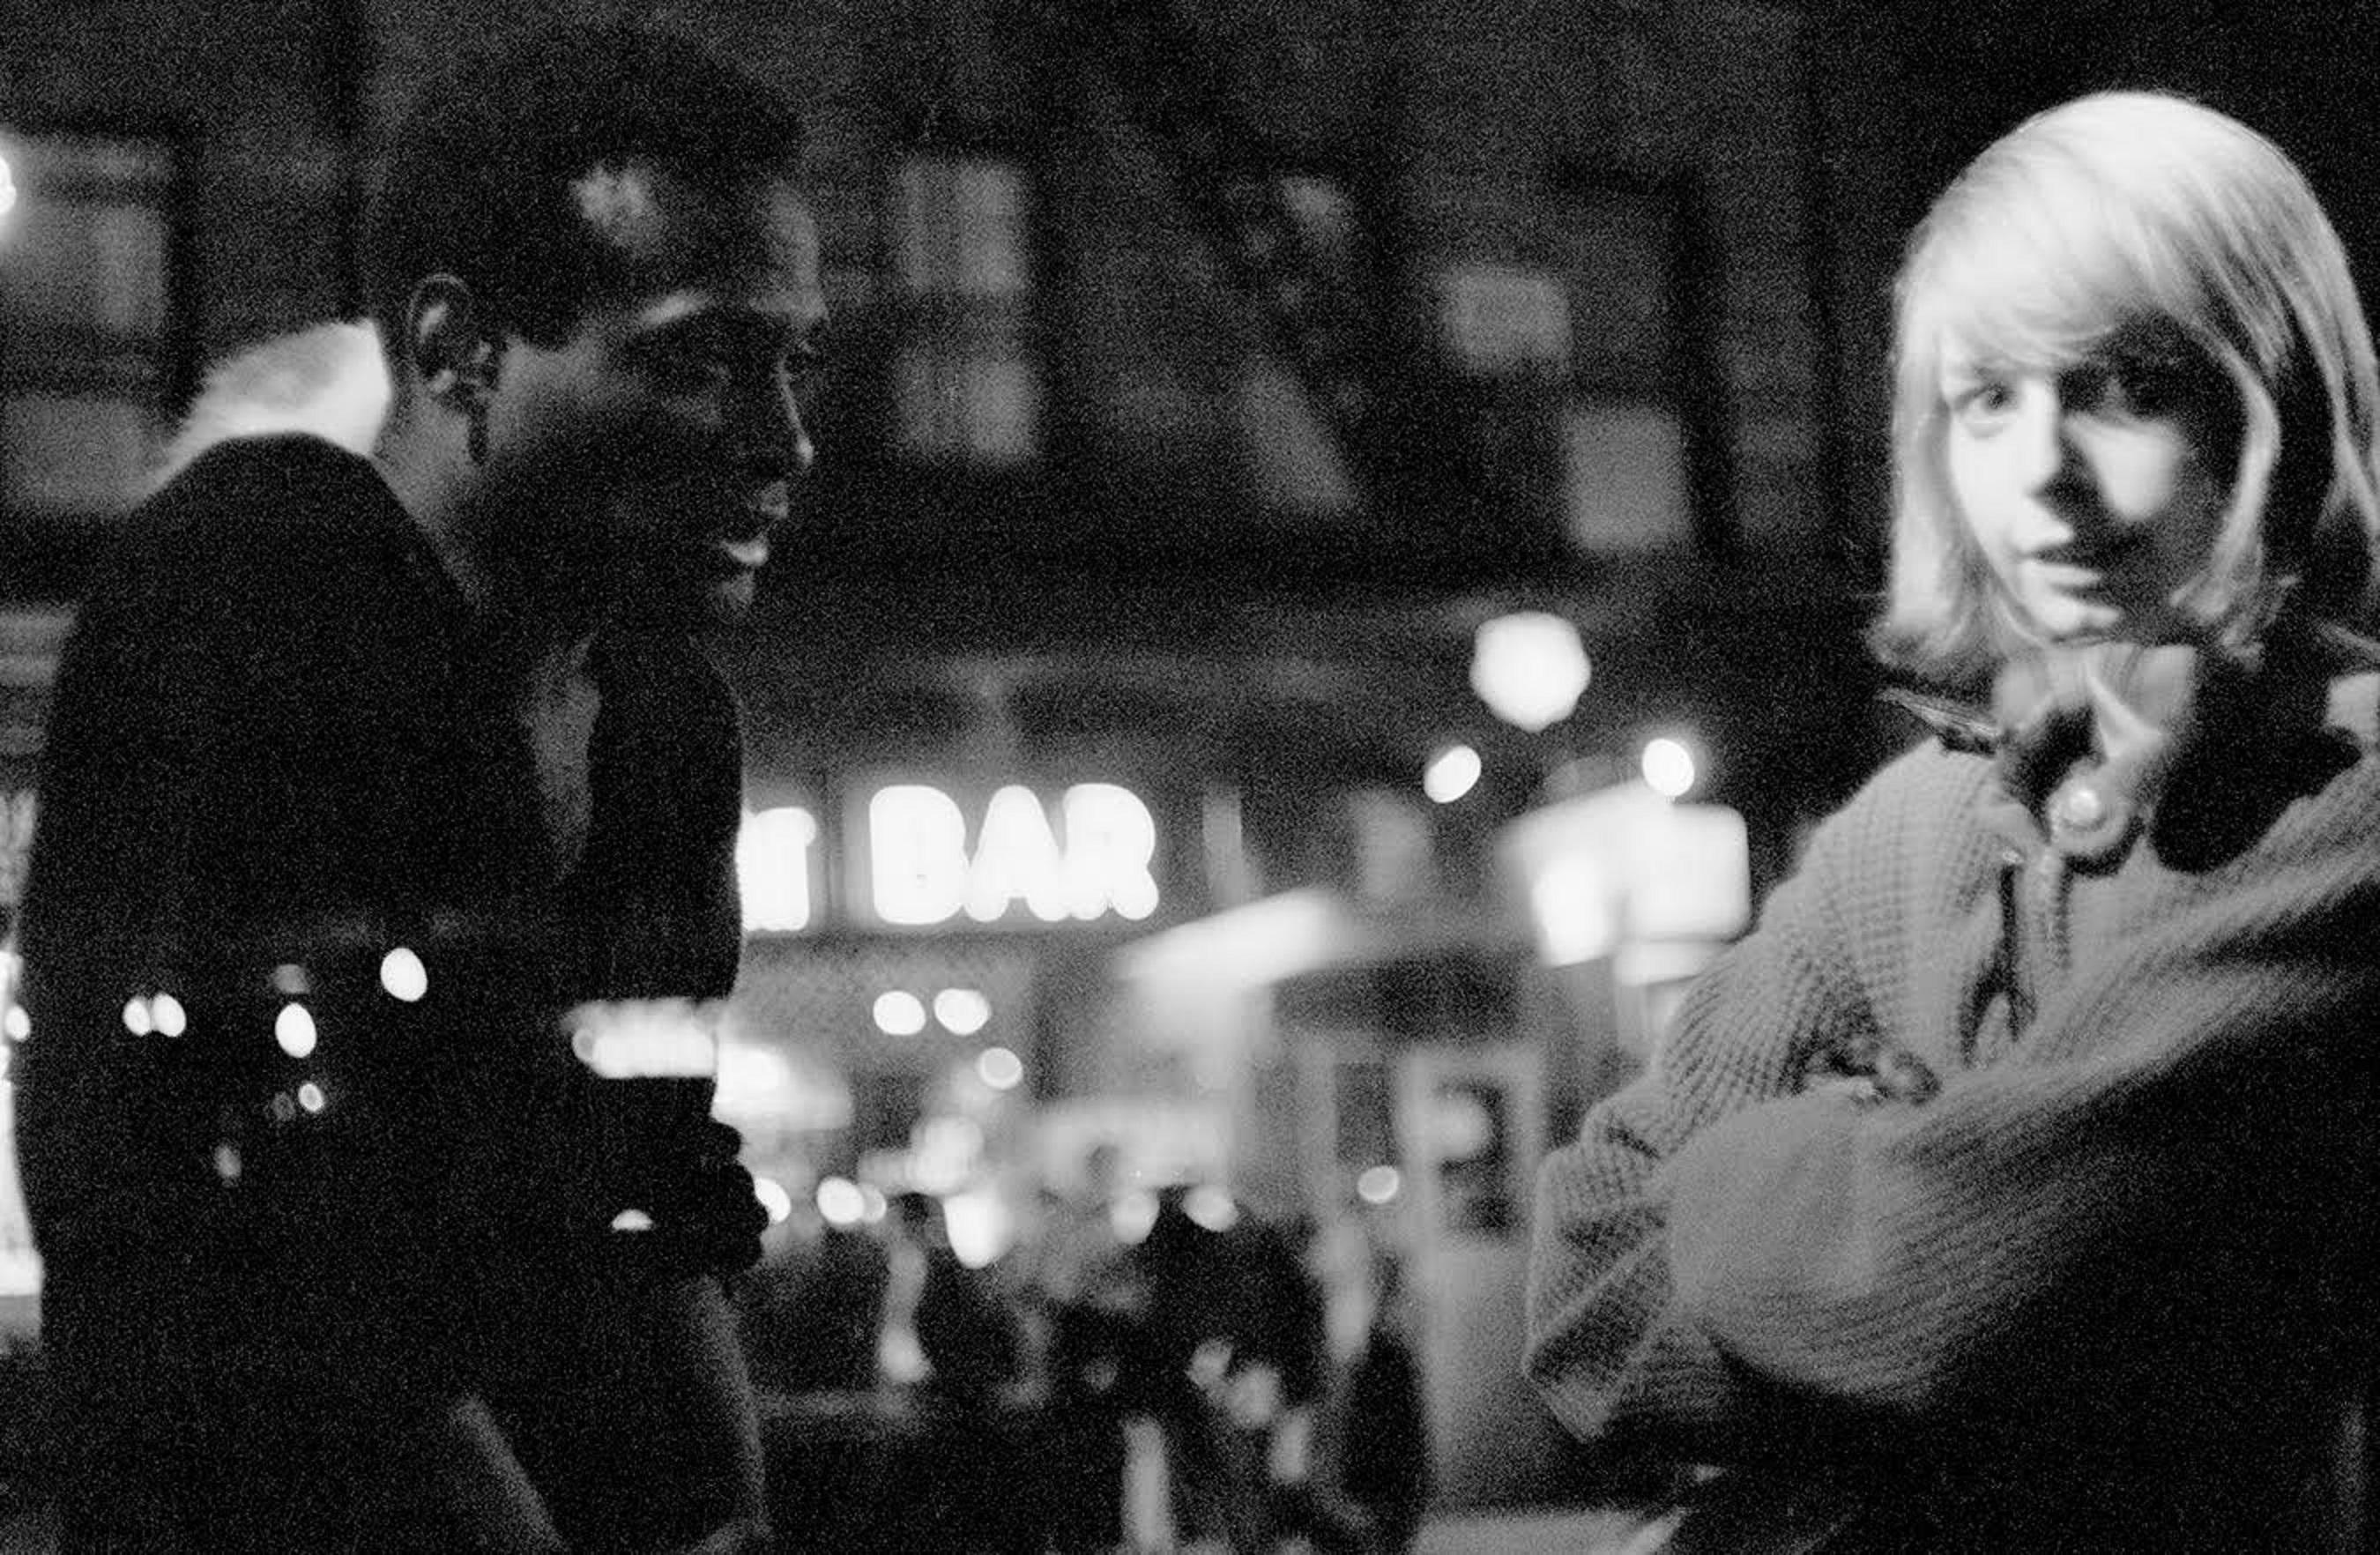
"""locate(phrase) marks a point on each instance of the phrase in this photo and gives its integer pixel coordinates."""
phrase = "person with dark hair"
(385, 869)
(2011, 1187)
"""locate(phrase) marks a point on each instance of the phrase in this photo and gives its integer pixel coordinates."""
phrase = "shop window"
(966, 374)
(87, 331)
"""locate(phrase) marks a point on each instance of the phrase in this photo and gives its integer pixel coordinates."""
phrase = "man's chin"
(681, 602)
(726, 601)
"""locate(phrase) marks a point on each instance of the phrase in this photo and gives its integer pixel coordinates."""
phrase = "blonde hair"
(2112, 210)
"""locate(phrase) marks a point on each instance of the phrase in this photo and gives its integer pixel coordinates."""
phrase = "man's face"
(646, 460)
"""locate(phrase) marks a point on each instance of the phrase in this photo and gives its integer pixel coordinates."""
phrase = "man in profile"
(359, 774)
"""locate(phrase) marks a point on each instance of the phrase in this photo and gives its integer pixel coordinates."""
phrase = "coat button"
(2081, 807)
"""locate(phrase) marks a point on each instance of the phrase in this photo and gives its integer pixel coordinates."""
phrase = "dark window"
(965, 377)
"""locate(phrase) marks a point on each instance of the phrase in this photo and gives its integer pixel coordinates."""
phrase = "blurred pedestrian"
(361, 774)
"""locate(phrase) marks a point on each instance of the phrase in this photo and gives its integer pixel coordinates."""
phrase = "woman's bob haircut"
(2117, 211)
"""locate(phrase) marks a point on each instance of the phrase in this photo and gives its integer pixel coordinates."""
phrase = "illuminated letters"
(917, 851)
(1096, 861)
(1016, 856)
(772, 869)
(1111, 843)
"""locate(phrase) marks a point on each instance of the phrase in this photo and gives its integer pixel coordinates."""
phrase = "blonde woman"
(2011, 1187)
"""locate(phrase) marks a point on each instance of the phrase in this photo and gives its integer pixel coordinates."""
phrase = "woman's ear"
(448, 347)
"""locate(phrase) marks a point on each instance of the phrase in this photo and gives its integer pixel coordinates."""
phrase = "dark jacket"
(270, 763)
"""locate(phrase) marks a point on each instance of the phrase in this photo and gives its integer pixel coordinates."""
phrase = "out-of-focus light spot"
(978, 1227)
(1212, 1208)
(872, 1205)
(136, 1016)
(998, 1068)
(1451, 774)
(310, 1096)
(900, 1014)
(632, 1219)
(773, 1198)
(644, 1039)
(1132, 1215)
(228, 1163)
(284, 1107)
(1379, 1185)
(17, 1024)
(962, 1011)
(290, 981)
(1461, 1125)
(166, 1015)
(943, 1153)
(294, 1029)
(402, 973)
(840, 1202)
(8, 187)
(1529, 668)
(1669, 767)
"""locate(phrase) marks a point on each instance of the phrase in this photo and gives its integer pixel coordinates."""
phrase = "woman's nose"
(2041, 435)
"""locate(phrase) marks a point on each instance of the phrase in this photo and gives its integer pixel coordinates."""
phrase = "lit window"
(965, 378)
(1623, 438)
(85, 284)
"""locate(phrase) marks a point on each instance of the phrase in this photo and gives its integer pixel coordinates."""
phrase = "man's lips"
(745, 543)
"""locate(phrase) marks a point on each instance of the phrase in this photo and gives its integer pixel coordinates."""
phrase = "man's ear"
(449, 344)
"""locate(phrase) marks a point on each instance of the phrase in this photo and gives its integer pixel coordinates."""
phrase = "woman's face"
(2095, 490)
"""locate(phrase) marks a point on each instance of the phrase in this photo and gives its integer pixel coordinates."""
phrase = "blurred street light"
(1669, 767)
(1530, 668)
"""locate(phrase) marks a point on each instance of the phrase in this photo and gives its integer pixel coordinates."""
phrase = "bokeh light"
(1669, 767)
(1451, 774)
(999, 1068)
(1379, 1185)
(840, 1202)
(294, 1029)
(402, 973)
(900, 1014)
(1530, 668)
(773, 1198)
(962, 1011)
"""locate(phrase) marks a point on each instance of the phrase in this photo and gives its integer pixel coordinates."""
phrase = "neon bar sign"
(924, 857)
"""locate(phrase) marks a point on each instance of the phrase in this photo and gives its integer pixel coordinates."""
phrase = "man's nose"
(774, 434)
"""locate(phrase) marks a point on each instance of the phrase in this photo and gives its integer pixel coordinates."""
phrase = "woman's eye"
(2151, 386)
(1983, 406)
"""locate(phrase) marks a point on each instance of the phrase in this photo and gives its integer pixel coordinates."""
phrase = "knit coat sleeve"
(2184, 1129)
(1609, 1345)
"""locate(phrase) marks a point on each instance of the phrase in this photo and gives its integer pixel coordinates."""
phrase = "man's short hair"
(476, 179)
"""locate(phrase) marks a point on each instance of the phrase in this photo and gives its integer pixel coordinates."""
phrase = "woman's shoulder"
(1932, 780)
